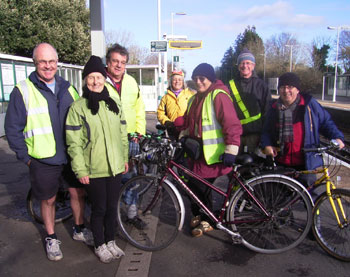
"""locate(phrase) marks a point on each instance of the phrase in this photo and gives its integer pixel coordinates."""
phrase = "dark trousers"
(103, 194)
(203, 193)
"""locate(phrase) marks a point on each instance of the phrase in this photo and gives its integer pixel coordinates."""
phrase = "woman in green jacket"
(98, 146)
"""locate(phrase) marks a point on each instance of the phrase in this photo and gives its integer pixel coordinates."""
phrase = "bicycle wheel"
(63, 210)
(158, 209)
(335, 240)
(290, 212)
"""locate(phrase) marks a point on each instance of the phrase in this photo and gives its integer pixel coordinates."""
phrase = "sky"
(218, 22)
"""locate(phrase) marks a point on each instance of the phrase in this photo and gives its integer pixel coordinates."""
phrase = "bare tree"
(344, 50)
(137, 54)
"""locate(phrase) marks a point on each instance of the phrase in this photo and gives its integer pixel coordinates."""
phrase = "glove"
(169, 125)
(228, 159)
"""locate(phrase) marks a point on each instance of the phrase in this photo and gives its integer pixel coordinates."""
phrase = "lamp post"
(290, 56)
(336, 58)
(172, 36)
(264, 54)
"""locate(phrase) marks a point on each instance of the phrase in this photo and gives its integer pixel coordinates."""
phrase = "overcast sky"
(218, 22)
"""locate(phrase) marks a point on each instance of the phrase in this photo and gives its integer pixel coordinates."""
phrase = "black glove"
(169, 125)
(228, 159)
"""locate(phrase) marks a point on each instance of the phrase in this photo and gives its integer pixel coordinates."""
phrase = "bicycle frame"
(220, 219)
(329, 187)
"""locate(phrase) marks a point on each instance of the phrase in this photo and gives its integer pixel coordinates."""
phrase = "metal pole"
(172, 38)
(291, 58)
(323, 83)
(336, 68)
(159, 58)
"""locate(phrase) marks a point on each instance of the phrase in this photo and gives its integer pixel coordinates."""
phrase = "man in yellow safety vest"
(251, 98)
(34, 126)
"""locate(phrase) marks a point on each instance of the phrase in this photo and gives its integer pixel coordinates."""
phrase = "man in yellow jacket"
(125, 86)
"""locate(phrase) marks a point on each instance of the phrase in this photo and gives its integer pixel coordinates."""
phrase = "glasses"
(286, 87)
(43, 62)
(199, 78)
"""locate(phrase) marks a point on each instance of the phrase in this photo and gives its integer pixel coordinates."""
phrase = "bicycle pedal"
(236, 239)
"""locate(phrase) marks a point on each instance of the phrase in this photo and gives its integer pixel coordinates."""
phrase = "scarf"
(285, 116)
(94, 99)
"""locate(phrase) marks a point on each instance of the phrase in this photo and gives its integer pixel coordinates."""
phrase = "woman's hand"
(85, 180)
(341, 143)
(126, 168)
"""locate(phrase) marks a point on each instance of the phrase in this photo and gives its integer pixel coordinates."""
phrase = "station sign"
(159, 46)
(185, 44)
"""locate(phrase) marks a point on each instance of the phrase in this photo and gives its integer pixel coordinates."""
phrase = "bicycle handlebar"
(333, 145)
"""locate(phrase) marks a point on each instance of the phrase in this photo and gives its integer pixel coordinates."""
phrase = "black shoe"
(137, 222)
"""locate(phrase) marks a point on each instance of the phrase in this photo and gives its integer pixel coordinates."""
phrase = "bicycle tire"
(158, 208)
(333, 239)
(63, 210)
(290, 208)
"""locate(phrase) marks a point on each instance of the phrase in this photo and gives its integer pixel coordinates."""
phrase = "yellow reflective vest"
(212, 136)
(247, 117)
(132, 104)
(38, 132)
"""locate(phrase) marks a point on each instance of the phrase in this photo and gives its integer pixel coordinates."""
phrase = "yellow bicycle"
(331, 212)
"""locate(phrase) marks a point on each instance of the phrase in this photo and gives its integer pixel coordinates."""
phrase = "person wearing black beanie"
(97, 141)
(213, 133)
(295, 121)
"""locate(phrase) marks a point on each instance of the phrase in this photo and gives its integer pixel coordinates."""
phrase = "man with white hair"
(35, 128)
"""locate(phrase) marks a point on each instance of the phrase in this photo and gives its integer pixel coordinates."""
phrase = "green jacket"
(133, 105)
(97, 144)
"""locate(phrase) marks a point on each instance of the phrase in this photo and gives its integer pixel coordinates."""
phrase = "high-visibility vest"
(241, 105)
(212, 136)
(38, 132)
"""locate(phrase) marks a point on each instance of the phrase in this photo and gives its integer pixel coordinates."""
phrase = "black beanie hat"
(205, 70)
(94, 64)
(289, 79)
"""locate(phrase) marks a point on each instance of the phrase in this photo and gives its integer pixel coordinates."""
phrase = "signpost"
(159, 46)
(185, 44)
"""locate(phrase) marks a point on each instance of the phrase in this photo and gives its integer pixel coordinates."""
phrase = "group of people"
(242, 117)
(82, 142)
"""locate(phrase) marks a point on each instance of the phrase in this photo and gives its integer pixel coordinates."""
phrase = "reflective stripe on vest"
(241, 105)
(212, 136)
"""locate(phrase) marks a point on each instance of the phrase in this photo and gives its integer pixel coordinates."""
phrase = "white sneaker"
(132, 211)
(85, 236)
(103, 254)
(115, 250)
(53, 250)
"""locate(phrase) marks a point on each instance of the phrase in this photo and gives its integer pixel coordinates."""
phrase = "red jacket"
(226, 116)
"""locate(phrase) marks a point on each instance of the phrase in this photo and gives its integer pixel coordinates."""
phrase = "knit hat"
(245, 55)
(205, 70)
(179, 72)
(94, 64)
(289, 79)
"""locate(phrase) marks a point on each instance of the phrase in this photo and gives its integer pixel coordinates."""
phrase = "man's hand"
(270, 151)
(126, 168)
(341, 143)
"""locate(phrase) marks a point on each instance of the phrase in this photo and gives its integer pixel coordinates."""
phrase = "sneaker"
(137, 222)
(85, 236)
(104, 254)
(53, 250)
(114, 249)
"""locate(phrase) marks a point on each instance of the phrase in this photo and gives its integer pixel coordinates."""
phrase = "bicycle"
(63, 209)
(331, 213)
(268, 214)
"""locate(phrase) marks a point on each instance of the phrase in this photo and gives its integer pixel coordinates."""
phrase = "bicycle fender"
(279, 176)
(180, 200)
